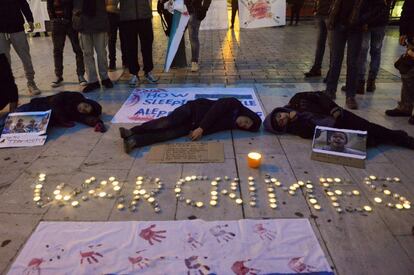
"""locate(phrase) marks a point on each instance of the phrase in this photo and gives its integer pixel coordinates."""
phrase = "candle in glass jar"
(254, 160)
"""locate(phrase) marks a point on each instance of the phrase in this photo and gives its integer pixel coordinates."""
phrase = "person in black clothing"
(234, 10)
(67, 107)
(195, 118)
(307, 110)
(9, 95)
(60, 13)
(295, 8)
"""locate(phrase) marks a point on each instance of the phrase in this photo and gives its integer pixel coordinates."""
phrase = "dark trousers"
(112, 37)
(377, 134)
(234, 10)
(341, 37)
(61, 29)
(141, 28)
(295, 12)
(322, 22)
(176, 124)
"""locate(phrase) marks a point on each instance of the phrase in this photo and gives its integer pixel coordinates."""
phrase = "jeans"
(193, 30)
(114, 25)
(90, 42)
(323, 35)
(143, 29)
(372, 41)
(61, 29)
(176, 124)
(342, 36)
(21, 46)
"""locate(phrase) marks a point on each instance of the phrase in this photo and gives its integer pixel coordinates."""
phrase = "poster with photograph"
(262, 13)
(25, 129)
(340, 142)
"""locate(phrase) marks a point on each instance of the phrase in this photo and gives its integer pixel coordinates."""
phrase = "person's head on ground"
(84, 108)
(337, 140)
(248, 120)
(89, 107)
(244, 122)
(281, 118)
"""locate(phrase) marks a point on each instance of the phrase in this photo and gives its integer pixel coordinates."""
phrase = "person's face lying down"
(84, 108)
(244, 122)
(282, 118)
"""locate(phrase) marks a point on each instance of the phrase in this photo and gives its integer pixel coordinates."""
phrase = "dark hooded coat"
(8, 88)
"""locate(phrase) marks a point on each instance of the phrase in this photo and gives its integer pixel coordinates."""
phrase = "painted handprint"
(193, 242)
(139, 261)
(240, 269)
(195, 266)
(264, 234)
(150, 235)
(33, 267)
(297, 264)
(91, 256)
(221, 234)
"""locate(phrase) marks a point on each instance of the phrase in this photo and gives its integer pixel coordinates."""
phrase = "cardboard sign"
(187, 152)
(25, 129)
(340, 146)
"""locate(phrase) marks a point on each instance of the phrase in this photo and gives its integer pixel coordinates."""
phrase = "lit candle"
(399, 206)
(56, 192)
(313, 201)
(36, 199)
(102, 194)
(104, 182)
(252, 203)
(75, 203)
(120, 206)
(214, 183)
(111, 178)
(66, 198)
(407, 205)
(355, 192)
(317, 207)
(338, 192)
(117, 188)
(199, 204)
(39, 186)
(254, 160)
(232, 196)
(214, 193)
(115, 183)
(377, 200)
(272, 200)
(58, 197)
(273, 205)
(239, 201)
(372, 177)
(337, 180)
(367, 208)
(213, 203)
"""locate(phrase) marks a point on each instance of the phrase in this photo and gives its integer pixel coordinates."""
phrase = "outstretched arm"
(25, 8)
(221, 108)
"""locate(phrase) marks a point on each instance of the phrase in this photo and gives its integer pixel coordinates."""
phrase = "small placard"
(187, 152)
(340, 146)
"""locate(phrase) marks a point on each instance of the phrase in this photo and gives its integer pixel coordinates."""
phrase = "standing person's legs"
(86, 43)
(320, 47)
(406, 103)
(363, 55)
(100, 41)
(130, 31)
(298, 9)
(377, 38)
(124, 51)
(353, 50)
(5, 45)
(58, 39)
(193, 30)
(337, 55)
(234, 9)
(146, 37)
(74, 40)
(112, 37)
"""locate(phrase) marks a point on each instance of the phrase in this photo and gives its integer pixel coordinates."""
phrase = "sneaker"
(313, 73)
(150, 78)
(371, 87)
(351, 103)
(194, 67)
(331, 95)
(33, 90)
(129, 144)
(107, 83)
(125, 133)
(91, 87)
(397, 112)
(134, 81)
(361, 88)
(82, 81)
(57, 82)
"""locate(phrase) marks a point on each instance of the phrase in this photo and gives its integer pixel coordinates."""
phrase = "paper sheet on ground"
(285, 246)
(191, 152)
(25, 129)
(262, 13)
(147, 104)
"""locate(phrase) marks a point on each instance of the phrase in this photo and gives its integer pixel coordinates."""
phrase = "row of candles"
(148, 189)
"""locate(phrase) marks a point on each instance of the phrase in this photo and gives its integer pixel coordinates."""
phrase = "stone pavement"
(272, 60)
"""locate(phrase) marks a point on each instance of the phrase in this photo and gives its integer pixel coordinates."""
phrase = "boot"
(125, 133)
(361, 88)
(371, 85)
(129, 144)
(351, 103)
(313, 72)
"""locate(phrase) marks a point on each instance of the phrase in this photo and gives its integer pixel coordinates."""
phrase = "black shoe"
(397, 112)
(107, 83)
(313, 73)
(411, 120)
(91, 87)
(125, 133)
(129, 144)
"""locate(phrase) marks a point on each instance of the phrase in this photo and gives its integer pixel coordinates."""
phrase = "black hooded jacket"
(218, 115)
(64, 106)
(406, 21)
(11, 15)
(8, 88)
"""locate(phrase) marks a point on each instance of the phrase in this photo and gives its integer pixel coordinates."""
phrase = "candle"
(239, 201)
(75, 203)
(377, 200)
(367, 208)
(317, 206)
(313, 201)
(355, 192)
(254, 160)
(213, 203)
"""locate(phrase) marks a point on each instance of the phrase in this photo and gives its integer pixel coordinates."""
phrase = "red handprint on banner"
(150, 235)
(220, 234)
(193, 242)
(139, 261)
(91, 256)
(195, 266)
(240, 269)
(33, 267)
(264, 233)
(297, 264)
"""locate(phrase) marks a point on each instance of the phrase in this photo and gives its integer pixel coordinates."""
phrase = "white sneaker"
(194, 67)
(82, 81)
(33, 90)
(57, 82)
(150, 78)
(134, 81)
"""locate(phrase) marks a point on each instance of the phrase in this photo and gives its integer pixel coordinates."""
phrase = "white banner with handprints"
(262, 13)
(147, 104)
(283, 246)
